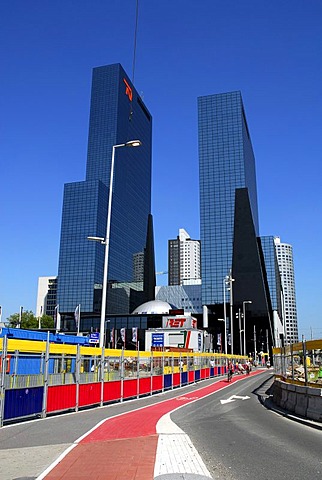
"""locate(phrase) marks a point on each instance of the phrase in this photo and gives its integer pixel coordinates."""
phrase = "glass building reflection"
(117, 115)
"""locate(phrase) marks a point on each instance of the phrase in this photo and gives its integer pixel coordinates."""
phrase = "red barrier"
(191, 376)
(61, 397)
(204, 373)
(144, 385)
(176, 379)
(130, 388)
(157, 383)
(112, 391)
(89, 394)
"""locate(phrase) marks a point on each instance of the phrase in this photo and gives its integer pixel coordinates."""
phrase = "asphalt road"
(28, 448)
(241, 439)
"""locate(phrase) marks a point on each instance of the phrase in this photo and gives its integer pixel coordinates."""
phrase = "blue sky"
(270, 51)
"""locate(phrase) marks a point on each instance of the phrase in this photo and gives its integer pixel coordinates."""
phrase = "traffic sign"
(94, 338)
(157, 339)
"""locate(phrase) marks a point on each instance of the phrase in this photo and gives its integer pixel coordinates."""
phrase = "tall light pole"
(225, 313)
(244, 315)
(106, 241)
(231, 280)
(239, 316)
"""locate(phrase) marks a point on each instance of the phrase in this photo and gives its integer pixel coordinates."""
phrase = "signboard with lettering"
(94, 338)
(179, 322)
(157, 340)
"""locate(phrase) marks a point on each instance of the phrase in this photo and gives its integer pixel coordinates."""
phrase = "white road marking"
(233, 398)
(175, 451)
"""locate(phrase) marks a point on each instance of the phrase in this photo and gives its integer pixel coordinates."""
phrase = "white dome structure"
(153, 307)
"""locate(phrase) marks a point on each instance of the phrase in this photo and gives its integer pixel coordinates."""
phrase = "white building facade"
(46, 296)
(184, 260)
(285, 261)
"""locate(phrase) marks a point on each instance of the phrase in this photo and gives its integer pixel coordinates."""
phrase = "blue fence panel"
(167, 381)
(27, 365)
(23, 402)
(197, 375)
(212, 371)
(184, 378)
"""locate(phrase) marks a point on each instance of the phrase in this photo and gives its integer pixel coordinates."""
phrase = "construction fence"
(41, 377)
(300, 363)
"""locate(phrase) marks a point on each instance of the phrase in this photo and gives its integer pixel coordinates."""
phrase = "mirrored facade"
(117, 115)
(226, 163)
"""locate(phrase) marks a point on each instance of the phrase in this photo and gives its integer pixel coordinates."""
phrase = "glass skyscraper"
(226, 163)
(117, 115)
(229, 230)
(272, 273)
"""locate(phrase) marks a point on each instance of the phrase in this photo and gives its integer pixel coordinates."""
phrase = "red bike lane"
(124, 447)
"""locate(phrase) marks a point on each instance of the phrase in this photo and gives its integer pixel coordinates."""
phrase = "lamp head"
(133, 143)
(96, 239)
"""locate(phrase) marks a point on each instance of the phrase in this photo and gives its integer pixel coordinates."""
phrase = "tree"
(46, 321)
(29, 321)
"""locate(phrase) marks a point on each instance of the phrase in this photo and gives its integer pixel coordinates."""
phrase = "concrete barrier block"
(291, 401)
(301, 404)
(314, 408)
(284, 398)
(302, 400)
(290, 387)
(314, 392)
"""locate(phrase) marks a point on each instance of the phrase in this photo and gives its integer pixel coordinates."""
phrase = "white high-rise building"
(184, 260)
(46, 296)
(284, 254)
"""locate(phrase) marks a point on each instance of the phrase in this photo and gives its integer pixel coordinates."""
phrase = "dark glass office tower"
(273, 274)
(229, 215)
(226, 163)
(117, 115)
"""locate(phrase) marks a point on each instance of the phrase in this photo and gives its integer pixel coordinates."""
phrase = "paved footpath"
(143, 444)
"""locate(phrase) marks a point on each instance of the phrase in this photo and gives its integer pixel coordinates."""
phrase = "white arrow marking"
(233, 398)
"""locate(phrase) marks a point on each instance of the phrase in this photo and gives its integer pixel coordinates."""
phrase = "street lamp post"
(225, 313)
(239, 315)
(106, 241)
(244, 315)
(230, 279)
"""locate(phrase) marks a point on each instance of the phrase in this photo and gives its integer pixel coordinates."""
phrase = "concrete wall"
(298, 399)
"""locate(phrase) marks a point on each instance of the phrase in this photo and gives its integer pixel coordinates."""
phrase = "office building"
(229, 226)
(46, 296)
(182, 297)
(284, 253)
(183, 259)
(117, 115)
(275, 288)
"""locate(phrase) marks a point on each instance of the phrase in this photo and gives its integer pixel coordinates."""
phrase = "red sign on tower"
(128, 89)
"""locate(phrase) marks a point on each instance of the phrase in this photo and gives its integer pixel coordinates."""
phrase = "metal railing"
(300, 363)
